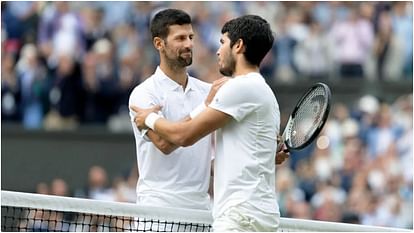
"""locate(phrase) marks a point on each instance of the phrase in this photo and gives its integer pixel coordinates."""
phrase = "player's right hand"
(214, 88)
(142, 113)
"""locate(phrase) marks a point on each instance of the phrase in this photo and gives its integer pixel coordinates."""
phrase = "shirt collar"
(171, 84)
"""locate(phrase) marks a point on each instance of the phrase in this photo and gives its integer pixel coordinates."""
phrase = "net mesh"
(29, 219)
(308, 117)
(34, 212)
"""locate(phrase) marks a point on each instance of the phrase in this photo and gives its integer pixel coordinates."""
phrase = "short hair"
(165, 18)
(255, 33)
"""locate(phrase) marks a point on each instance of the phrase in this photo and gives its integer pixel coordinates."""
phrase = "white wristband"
(197, 110)
(151, 119)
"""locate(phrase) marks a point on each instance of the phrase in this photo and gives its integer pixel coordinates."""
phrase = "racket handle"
(279, 147)
(281, 142)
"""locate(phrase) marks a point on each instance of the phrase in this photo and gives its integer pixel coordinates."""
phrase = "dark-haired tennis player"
(246, 115)
(170, 176)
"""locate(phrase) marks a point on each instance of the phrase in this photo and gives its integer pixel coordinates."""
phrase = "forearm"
(177, 133)
(189, 132)
(184, 133)
(163, 144)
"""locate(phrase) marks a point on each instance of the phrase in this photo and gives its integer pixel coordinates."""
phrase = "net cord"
(79, 205)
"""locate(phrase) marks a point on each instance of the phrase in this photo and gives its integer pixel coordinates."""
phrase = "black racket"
(308, 118)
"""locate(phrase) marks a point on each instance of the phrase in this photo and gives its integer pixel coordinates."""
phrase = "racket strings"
(309, 117)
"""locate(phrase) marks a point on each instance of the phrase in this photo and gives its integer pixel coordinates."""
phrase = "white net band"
(36, 212)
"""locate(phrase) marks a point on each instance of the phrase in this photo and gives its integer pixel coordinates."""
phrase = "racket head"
(308, 117)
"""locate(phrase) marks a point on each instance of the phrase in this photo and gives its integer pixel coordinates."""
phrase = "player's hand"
(142, 113)
(281, 156)
(283, 153)
(214, 88)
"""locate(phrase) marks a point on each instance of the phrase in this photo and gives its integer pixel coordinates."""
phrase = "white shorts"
(245, 217)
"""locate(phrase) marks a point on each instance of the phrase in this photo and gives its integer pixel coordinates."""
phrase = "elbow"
(185, 141)
(166, 151)
(167, 148)
(188, 142)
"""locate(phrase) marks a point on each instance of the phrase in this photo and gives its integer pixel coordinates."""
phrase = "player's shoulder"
(251, 80)
(144, 87)
(248, 85)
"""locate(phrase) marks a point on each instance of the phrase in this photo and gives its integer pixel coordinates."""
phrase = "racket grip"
(279, 146)
(281, 141)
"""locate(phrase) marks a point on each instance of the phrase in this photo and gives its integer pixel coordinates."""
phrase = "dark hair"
(255, 33)
(165, 18)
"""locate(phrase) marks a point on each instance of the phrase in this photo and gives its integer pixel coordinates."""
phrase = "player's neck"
(243, 68)
(177, 74)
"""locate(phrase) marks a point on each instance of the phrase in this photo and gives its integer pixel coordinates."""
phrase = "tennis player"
(246, 115)
(170, 176)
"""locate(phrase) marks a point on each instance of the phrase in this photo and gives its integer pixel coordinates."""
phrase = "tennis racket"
(307, 119)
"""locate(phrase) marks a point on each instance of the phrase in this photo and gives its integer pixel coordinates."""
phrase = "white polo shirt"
(244, 169)
(180, 179)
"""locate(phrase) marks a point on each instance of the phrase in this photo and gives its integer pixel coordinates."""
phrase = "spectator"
(59, 187)
(402, 20)
(10, 89)
(97, 187)
(19, 20)
(32, 77)
(387, 50)
(66, 95)
(352, 39)
(312, 55)
(59, 33)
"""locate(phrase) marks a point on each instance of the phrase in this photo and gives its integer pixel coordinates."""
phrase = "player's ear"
(239, 46)
(158, 42)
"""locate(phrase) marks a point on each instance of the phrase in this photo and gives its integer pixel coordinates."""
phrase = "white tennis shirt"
(180, 179)
(244, 169)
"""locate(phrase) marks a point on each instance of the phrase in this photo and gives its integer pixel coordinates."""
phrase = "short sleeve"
(235, 98)
(142, 98)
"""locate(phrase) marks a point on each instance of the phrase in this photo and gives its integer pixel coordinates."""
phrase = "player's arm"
(145, 98)
(166, 146)
(187, 135)
(184, 133)
(162, 144)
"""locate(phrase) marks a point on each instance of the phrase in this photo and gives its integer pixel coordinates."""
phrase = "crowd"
(71, 63)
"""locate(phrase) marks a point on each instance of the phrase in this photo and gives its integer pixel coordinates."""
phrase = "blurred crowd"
(70, 63)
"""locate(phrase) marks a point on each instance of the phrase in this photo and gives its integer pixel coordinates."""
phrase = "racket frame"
(295, 110)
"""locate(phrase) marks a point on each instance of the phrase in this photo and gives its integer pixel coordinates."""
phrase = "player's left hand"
(283, 153)
(281, 156)
(142, 113)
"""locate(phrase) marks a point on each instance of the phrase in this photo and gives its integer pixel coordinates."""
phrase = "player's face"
(226, 59)
(178, 49)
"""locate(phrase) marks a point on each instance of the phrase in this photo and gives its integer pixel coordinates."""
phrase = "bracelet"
(151, 119)
(197, 110)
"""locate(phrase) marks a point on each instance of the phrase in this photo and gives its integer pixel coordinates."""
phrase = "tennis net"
(36, 212)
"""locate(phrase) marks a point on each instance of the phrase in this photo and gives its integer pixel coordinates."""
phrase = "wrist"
(198, 110)
(151, 119)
